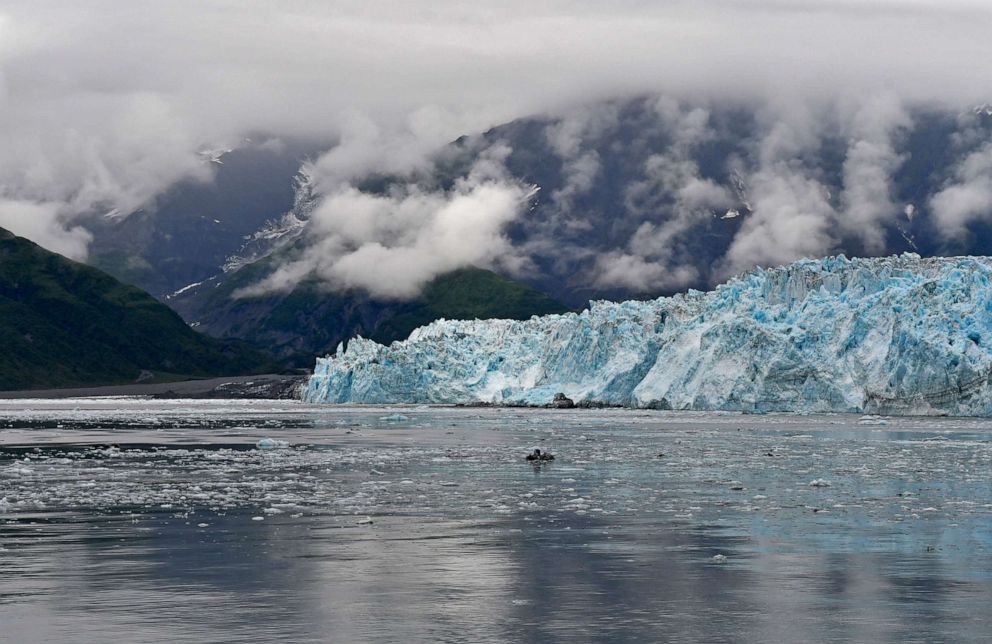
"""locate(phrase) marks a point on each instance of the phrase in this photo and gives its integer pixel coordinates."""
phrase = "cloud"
(40, 222)
(391, 245)
(968, 197)
(795, 214)
(791, 220)
(871, 162)
(655, 256)
(104, 104)
(572, 138)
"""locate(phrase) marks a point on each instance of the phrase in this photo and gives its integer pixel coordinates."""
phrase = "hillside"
(63, 323)
(310, 320)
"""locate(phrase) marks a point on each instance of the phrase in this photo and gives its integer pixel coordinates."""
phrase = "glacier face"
(886, 335)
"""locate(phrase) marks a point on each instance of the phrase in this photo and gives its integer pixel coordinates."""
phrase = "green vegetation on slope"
(310, 320)
(63, 323)
(468, 294)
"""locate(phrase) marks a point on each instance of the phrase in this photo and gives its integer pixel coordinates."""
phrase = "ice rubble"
(897, 334)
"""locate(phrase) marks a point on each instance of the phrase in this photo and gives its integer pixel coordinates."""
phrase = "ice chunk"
(395, 418)
(271, 443)
(878, 335)
(819, 483)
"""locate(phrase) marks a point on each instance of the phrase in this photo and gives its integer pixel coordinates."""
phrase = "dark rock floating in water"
(561, 401)
(538, 455)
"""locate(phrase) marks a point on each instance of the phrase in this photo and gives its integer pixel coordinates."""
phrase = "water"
(161, 521)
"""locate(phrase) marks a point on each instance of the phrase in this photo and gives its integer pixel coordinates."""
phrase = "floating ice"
(819, 483)
(882, 335)
(395, 418)
(271, 443)
(873, 420)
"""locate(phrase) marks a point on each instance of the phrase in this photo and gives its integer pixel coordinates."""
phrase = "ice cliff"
(888, 335)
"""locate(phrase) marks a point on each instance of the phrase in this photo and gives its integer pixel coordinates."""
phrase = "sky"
(104, 104)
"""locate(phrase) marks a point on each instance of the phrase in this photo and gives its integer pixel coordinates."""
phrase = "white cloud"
(871, 162)
(968, 198)
(654, 257)
(104, 103)
(392, 245)
(40, 222)
(794, 213)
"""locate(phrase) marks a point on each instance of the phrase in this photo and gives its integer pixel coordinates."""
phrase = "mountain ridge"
(64, 323)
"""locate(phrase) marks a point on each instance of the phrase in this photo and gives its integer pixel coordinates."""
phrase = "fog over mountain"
(687, 140)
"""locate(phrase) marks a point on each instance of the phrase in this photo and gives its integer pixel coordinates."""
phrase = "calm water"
(132, 520)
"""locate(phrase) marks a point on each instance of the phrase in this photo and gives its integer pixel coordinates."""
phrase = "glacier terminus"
(898, 335)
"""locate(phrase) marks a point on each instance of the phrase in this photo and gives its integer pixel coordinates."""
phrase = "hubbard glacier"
(893, 335)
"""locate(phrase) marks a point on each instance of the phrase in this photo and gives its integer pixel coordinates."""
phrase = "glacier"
(894, 335)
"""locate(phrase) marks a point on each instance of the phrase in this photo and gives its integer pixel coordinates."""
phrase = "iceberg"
(271, 443)
(891, 335)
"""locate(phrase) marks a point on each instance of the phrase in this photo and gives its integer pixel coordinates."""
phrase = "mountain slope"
(638, 198)
(195, 226)
(310, 320)
(63, 323)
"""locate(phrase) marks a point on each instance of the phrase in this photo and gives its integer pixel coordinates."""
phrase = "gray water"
(161, 521)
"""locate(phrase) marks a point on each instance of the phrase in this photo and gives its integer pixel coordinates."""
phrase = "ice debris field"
(242, 521)
(824, 481)
(901, 334)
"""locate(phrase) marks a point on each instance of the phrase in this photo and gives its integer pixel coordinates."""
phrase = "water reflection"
(468, 544)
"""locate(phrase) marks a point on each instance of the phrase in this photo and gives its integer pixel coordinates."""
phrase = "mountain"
(310, 320)
(192, 230)
(205, 242)
(638, 198)
(63, 323)
(644, 197)
(899, 334)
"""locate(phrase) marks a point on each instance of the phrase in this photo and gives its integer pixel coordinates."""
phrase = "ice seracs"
(882, 335)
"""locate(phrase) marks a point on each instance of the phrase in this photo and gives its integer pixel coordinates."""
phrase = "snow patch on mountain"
(883, 335)
(214, 155)
(277, 233)
(184, 289)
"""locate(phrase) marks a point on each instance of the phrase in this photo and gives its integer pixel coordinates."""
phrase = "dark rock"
(561, 401)
(538, 455)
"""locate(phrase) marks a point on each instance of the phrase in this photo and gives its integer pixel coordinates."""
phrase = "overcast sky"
(104, 103)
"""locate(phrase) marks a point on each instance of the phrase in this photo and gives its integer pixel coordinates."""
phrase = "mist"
(103, 107)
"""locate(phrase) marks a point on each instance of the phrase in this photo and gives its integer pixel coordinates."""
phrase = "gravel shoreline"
(260, 386)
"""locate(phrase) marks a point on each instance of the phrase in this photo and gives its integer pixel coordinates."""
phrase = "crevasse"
(887, 335)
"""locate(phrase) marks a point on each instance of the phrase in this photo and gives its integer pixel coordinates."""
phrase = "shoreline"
(262, 386)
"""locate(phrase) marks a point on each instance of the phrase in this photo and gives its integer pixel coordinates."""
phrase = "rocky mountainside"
(191, 231)
(636, 198)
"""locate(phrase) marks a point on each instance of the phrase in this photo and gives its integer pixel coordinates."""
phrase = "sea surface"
(133, 520)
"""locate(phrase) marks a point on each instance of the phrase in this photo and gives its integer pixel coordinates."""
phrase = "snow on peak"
(277, 233)
(214, 154)
(897, 334)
